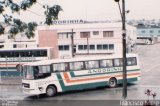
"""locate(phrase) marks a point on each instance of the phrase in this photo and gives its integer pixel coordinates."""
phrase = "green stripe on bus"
(10, 73)
(79, 86)
(87, 85)
(8, 68)
(129, 80)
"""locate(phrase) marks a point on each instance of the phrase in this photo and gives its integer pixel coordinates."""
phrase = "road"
(150, 72)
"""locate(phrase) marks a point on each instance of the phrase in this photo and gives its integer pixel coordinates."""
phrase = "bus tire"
(51, 91)
(112, 82)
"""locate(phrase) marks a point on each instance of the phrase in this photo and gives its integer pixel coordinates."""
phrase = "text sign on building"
(68, 21)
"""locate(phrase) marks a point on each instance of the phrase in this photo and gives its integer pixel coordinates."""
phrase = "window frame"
(120, 65)
(95, 32)
(100, 66)
(108, 34)
(132, 61)
(85, 34)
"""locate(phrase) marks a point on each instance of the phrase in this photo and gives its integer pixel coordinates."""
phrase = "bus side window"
(74, 66)
(118, 62)
(36, 69)
(131, 61)
(66, 67)
(60, 67)
(55, 67)
(92, 64)
(106, 63)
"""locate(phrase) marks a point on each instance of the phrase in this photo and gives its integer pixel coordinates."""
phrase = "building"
(85, 38)
(149, 34)
(19, 41)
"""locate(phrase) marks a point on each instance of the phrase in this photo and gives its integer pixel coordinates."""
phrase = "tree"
(16, 25)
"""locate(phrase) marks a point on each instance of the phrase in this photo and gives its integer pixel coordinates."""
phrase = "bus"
(61, 75)
(11, 59)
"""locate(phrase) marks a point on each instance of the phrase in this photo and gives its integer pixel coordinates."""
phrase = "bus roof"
(47, 62)
(15, 49)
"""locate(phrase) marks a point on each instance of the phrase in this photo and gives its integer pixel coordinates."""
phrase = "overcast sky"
(97, 9)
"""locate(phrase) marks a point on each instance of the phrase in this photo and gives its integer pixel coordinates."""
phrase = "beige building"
(88, 38)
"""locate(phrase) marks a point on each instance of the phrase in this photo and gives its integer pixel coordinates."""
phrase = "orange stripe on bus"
(89, 79)
(8, 64)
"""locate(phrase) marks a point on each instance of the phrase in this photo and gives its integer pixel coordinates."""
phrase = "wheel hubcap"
(49, 91)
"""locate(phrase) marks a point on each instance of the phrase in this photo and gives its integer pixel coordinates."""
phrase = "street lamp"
(123, 16)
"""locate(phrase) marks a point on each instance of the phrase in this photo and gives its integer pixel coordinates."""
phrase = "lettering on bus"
(105, 70)
(20, 59)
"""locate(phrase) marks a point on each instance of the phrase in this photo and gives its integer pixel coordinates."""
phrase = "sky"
(95, 10)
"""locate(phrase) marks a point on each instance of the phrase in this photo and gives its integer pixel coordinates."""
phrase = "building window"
(14, 46)
(143, 31)
(95, 32)
(151, 31)
(1, 46)
(105, 46)
(82, 47)
(107, 33)
(99, 47)
(63, 47)
(102, 46)
(92, 47)
(84, 34)
(111, 46)
(64, 35)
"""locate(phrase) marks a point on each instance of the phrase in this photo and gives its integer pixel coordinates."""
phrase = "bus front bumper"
(33, 91)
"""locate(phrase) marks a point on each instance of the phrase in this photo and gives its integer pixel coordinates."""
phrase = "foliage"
(30, 29)
(1, 9)
(52, 14)
(16, 25)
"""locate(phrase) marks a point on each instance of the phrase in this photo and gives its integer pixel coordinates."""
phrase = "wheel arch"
(53, 85)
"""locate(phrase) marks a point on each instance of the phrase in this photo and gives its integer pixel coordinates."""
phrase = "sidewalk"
(11, 81)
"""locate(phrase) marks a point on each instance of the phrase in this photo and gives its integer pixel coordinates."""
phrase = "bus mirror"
(19, 67)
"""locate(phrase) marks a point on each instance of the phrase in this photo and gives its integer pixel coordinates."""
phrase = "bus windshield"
(36, 72)
(28, 72)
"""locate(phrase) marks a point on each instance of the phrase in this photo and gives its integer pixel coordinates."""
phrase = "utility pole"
(72, 44)
(87, 44)
(123, 16)
(0, 77)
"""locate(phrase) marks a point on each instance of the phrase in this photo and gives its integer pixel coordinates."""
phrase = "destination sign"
(20, 59)
(105, 70)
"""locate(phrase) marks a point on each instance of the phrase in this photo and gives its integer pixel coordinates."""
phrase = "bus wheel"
(51, 91)
(112, 82)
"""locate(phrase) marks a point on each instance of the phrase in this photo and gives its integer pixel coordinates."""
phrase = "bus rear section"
(60, 75)
(10, 60)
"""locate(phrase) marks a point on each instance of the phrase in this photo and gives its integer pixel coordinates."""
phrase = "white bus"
(60, 75)
(12, 58)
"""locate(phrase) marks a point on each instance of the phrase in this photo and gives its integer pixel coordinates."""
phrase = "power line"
(35, 13)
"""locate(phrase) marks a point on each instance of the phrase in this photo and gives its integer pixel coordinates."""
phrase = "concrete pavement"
(11, 80)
